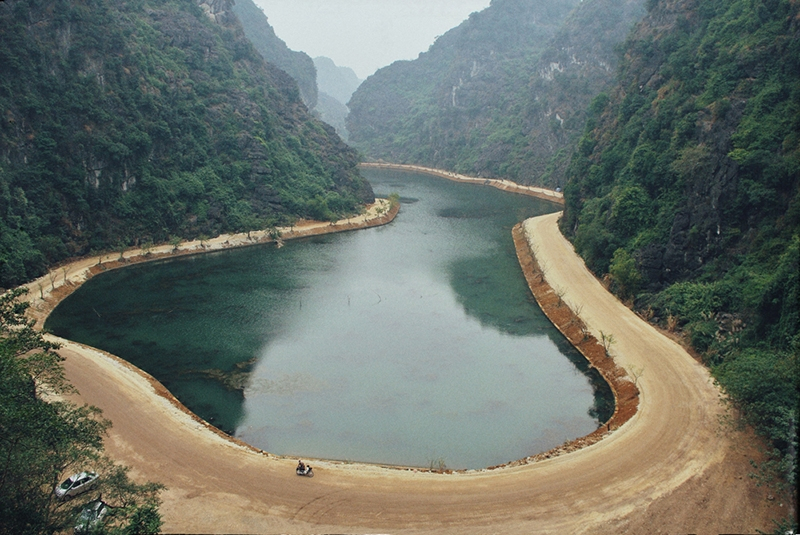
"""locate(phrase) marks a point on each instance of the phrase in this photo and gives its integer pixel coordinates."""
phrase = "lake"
(417, 343)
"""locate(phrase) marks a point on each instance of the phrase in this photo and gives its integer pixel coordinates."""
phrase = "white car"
(76, 484)
(91, 517)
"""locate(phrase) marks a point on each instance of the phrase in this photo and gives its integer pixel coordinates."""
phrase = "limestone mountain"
(503, 94)
(127, 122)
(333, 112)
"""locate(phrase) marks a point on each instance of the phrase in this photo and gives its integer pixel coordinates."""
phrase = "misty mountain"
(336, 86)
(333, 112)
(297, 64)
(338, 82)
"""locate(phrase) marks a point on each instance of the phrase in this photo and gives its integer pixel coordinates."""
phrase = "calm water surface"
(416, 343)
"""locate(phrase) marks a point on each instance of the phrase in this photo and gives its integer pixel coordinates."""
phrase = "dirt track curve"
(673, 468)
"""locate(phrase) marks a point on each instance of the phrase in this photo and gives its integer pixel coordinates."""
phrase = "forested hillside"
(504, 94)
(126, 122)
(298, 65)
(684, 190)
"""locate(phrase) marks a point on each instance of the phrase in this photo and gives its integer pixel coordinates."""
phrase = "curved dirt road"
(671, 469)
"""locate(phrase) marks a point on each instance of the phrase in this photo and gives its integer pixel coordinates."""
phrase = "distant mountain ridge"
(333, 112)
(336, 86)
(297, 64)
(338, 82)
(324, 87)
(502, 94)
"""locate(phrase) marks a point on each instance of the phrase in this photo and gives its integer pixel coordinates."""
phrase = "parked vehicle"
(91, 517)
(76, 484)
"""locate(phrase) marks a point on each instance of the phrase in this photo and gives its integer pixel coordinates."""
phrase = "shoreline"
(46, 292)
(499, 183)
(74, 274)
(625, 392)
(568, 322)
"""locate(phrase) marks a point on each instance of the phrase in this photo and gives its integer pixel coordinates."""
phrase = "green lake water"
(415, 343)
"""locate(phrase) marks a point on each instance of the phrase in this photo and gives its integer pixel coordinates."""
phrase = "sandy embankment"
(499, 183)
(671, 468)
(47, 291)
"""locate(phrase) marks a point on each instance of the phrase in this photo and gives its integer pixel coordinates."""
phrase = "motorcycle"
(307, 471)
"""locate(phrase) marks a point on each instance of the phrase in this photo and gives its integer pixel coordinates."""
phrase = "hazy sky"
(365, 35)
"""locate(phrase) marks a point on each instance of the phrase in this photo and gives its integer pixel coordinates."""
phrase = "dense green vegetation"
(137, 121)
(143, 120)
(42, 442)
(504, 94)
(684, 189)
(431, 110)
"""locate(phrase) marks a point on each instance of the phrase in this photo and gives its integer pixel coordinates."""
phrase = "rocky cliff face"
(220, 11)
(579, 63)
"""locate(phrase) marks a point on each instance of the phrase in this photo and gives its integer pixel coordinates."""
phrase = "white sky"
(365, 35)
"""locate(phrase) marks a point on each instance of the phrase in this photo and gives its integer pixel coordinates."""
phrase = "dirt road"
(671, 469)
(499, 183)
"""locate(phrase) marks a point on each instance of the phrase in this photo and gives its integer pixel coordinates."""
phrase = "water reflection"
(407, 344)
(501, 301)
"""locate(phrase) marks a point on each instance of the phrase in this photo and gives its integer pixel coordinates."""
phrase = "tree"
(144, 520)
(623, 271)
(44, 439)
(607, 341)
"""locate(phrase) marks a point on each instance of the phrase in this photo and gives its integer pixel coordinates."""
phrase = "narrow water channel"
(417, 343)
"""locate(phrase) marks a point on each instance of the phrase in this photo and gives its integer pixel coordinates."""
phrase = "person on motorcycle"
(300, 466)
